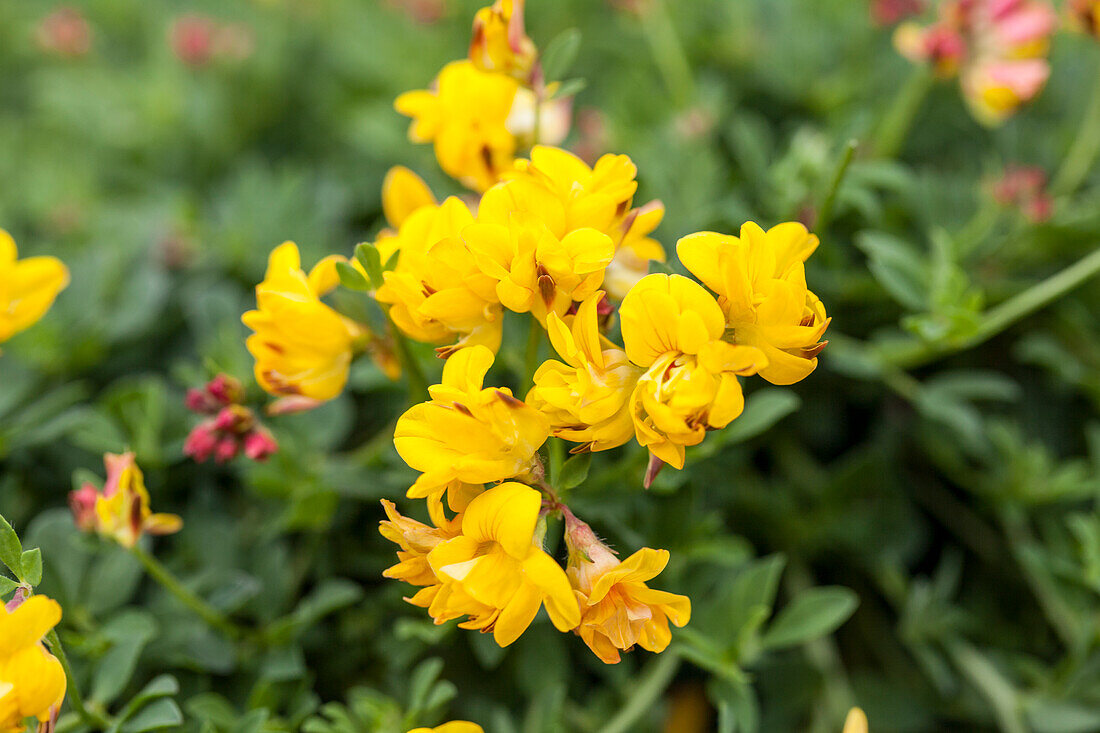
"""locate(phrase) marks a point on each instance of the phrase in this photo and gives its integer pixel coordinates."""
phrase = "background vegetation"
(941, 465)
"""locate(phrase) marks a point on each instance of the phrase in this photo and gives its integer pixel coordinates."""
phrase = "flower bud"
(234, 419)
(201, 442)
(226, 389)
(226, 449)
(82, 502)
(259, 444)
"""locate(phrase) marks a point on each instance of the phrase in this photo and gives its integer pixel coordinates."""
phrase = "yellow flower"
(403, 192)
(500, 42)
(455, 726)
(121, 511)
(496, 574)
(28, 287)
(466, 432)
(466, 116)
(673, 328)
(32, 682)
(588, 397)
(618, 609)
(856, 722)
(760, 279)
(415, 541)
(534, 270)
(636, 251)
(301, 346)
(561, 190)
(436, 291)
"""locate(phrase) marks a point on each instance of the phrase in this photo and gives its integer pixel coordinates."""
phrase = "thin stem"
(89, 717)
(655, 680)
(201, 608)
(999, 318)
(531, 360)
(825, 213)
(668, 53)
(894, 128)
(1086, 146)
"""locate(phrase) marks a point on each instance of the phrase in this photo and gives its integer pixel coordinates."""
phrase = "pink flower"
(192, 39)
(259, 444)
(889, 12)
(82, 502)
(225, 389)
(1024, 188)
(998, 47)
(201, 442)
(226, 449)
(65, 32)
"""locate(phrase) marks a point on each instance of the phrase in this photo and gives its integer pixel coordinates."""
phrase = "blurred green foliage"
(940, 470)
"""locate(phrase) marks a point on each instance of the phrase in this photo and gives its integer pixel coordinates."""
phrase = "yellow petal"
(506, 514)
(403, 192)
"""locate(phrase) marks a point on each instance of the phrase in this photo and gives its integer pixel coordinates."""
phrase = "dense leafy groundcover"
(912, 528)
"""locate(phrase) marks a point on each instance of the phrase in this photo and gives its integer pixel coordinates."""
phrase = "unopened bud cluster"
(230, 428)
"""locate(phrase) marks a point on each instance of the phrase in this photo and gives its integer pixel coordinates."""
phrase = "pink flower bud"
(202, 441)
(293, 405)
(192, 39)
(65, 32)
(197, 401)
(259, 444)
(234, 419)
(226, 449)
(82, 502)
(225, 389)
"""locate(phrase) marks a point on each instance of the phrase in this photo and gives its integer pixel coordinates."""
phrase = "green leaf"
(575, 470)
(7, 585)
(560, 54)
(31, 562)
(351, 278)
(763, 409)
(811, 615)
(128, 633)
(163, 713)
(11, 550)
(569, 88)
(371, 260)
(421, 682)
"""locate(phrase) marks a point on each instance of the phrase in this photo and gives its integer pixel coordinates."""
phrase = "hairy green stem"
(89, 717)
(655, 680)
(668, 53)
(894, 127)
(201, 608)
(825, 212)
(999, 318)
(1082, 153)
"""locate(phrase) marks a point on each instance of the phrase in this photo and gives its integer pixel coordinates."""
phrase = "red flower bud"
(259, 444)
(225, 389)
(226, 449)
(234, 419)
(197, 401)
(82, 502)
(202, 441)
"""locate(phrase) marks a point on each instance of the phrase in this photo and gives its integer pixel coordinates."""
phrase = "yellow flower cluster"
(561, 244)
(32, 681)
(28, 287)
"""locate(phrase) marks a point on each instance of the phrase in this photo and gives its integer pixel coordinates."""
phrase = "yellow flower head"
(121, 510)
(587, 398)
(760, 279)
(496, 574)
(455, 726)
(415, 541)
(32, 682)
(403, 193)
(636, 250)
(561, 190)
(28, 287)
(534, 270)
(301, 346)
(466, 432)
(466, 116)
(673, 328)
(500, 42)
(618, 609)
(436, 291)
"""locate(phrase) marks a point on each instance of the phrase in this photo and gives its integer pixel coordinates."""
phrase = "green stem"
(1086, 146)
(999, 318)
(825, 213)
(201, 608)
(894, 127)
(656, 678)
(89, 717)
(531, 359)
(668, 53)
